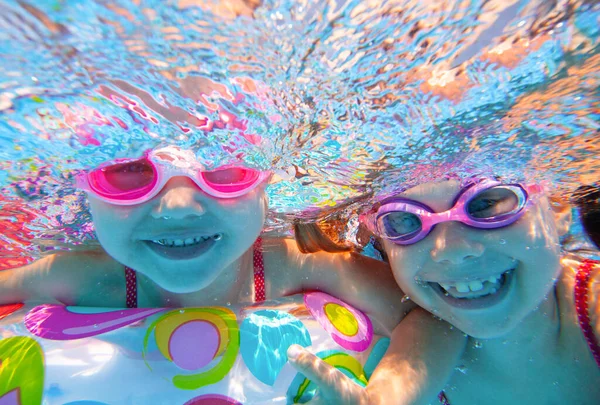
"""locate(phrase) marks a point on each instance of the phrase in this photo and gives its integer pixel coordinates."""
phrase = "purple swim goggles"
(487, 204)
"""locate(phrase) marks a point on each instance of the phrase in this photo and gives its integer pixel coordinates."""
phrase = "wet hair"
(311, 237)
(337, 230)
(587, 200)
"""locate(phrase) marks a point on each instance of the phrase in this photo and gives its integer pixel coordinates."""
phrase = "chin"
(184, 287)
(486, 334)
(493, 331)
(183, 283)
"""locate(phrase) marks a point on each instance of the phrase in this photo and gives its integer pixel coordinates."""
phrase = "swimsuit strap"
(259, 271)
(259, 278)
(582, 284)
(443, 399)
(130, 287)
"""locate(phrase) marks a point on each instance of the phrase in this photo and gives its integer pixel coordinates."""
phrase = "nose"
(180, 198)
(454, 244)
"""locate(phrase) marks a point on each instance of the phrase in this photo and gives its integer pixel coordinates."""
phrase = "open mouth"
(182, 249)
(476, 293)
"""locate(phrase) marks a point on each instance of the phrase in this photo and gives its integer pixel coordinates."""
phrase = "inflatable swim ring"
(52, 354)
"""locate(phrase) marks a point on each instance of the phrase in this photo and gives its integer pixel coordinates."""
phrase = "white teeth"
(462, 287)
(473, 285)
(183, 242)
(474, 288)
(476, 285)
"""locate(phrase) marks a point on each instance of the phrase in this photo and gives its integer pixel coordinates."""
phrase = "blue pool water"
(342, 99)
(339, 98)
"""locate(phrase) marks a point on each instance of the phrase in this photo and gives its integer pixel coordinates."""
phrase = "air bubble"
(503, 241)
(462, 368)
(405, 298)
(477, 344)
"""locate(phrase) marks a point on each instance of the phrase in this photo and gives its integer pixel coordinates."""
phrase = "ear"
(562, 212)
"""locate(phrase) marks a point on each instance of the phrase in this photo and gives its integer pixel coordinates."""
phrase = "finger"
(334, 386)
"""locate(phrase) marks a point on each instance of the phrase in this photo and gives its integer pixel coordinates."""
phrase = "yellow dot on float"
(343, 320)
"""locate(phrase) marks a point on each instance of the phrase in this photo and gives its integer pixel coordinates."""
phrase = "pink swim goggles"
(134, 181)
(487, 205)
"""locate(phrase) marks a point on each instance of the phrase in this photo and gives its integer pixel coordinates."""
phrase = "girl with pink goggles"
(134, 181)
(487, 204)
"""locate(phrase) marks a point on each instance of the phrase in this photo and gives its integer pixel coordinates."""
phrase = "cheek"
(404, 262)
(108, 218)
(250, 208)
(534, 235)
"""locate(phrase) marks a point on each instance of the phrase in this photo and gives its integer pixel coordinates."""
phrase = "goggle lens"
(123, 178)
(491, 207)
(496, 203)
(399, 225)
(134, 179)
(231, 179)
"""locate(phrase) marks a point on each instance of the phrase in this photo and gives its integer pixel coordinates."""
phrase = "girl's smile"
(484, 281)
(175, 248)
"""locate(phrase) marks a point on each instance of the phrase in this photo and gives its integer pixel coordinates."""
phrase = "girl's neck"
(232, 285)
(538, 330)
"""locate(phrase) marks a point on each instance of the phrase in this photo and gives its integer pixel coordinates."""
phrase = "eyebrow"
(423, 191)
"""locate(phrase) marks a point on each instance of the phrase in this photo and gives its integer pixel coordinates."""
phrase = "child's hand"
(334, 386)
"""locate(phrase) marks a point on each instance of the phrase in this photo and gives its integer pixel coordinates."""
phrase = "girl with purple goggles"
(528, 310)
(487, 204)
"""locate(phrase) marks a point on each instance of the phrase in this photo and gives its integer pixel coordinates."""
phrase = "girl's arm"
(422, 355)
(366, 284)
(71, 278)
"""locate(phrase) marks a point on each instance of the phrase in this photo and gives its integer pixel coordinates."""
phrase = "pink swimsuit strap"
(581, 293)
(582, 286)
(259, 271)
(259, 278)
(130, 287)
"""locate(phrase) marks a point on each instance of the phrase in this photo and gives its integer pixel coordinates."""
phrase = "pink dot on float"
(194, 344)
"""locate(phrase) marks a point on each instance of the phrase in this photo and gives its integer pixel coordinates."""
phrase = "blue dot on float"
(265, 337)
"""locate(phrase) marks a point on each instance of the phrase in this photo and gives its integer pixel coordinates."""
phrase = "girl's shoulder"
(289, 271)
(579, 287)
(284, 256)
(85, 278)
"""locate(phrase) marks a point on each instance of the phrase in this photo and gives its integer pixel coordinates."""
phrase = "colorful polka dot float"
(192, 356)
(58, 322)
(350, 328)
(212, 399)
(302, 390)
(265, 337)
(21, 371)
(191, 338)
(6, 310)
